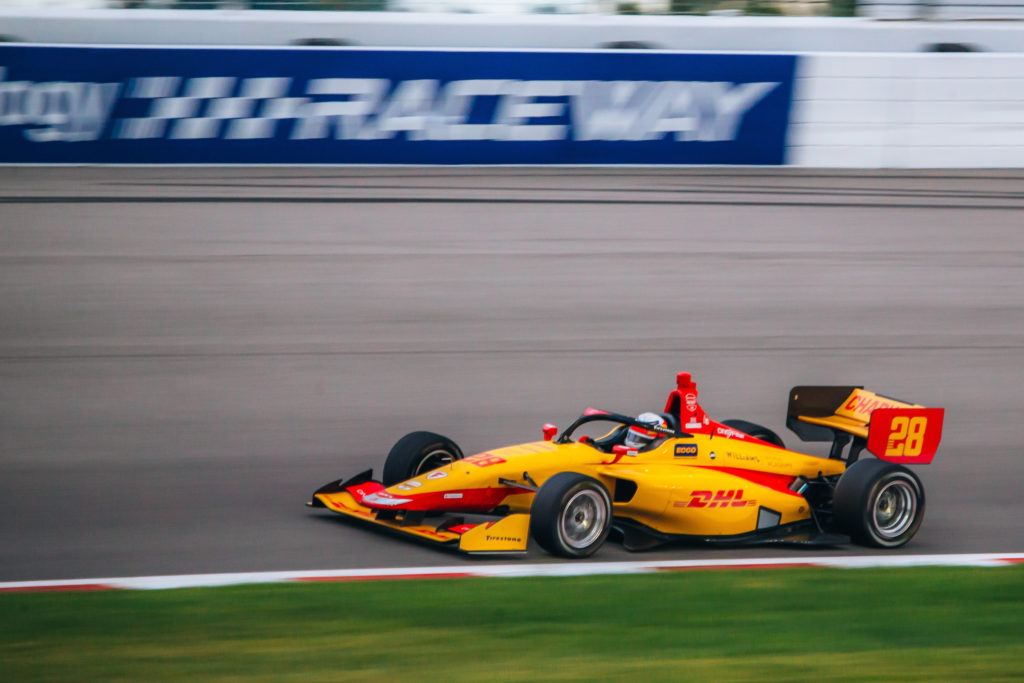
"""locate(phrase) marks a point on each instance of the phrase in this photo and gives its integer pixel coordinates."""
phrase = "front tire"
(416, 453)
(571, 515)
(879, 503)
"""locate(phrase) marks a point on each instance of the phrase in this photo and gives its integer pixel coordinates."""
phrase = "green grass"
(799, 624)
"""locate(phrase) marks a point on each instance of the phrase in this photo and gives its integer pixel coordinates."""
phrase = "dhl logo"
(716, 499)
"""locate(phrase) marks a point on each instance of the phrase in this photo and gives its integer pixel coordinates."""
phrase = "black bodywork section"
(814, 402)
(636, 536)
(811, 401)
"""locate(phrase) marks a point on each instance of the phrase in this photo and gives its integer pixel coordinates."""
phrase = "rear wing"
(891, 429)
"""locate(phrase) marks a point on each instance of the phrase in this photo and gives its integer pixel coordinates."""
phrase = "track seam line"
(484, 352)
(66, 199)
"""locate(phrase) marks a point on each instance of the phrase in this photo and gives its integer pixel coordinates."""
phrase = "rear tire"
(416, 453)
(756, 431)
(571, 515)
(878, 503)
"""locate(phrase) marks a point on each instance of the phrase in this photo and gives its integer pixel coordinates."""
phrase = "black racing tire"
(571, 515)
(878, 503)
(416, 453)
(755, 430)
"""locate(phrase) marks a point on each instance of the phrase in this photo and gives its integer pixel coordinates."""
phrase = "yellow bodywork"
(701, 485)
(506, 535)
(343, 503)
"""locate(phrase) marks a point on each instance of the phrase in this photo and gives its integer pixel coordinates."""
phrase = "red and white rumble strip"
(511, 570)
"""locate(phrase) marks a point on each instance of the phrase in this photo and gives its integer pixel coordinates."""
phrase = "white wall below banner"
(908, 111)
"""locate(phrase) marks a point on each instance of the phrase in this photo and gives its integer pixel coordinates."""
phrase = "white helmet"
(638, 437)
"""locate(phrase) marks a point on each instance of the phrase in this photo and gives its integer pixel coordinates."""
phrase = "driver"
(638, 437)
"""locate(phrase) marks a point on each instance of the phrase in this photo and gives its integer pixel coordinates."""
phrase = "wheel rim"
(894, 509)
(432, 460)
(583, 519)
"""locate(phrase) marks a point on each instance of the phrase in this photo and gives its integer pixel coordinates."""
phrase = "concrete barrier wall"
(397, 29)
(908, 111)
(941, 10)
(233, 105)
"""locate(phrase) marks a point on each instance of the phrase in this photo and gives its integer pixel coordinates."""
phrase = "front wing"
(507, 535)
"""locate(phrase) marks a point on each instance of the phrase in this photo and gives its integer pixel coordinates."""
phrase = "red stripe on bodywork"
(472, 500)
(770, 480)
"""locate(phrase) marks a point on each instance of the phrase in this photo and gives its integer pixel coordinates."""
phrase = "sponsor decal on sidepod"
(687, 450)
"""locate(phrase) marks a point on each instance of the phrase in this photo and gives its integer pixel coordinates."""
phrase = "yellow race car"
(659, 478)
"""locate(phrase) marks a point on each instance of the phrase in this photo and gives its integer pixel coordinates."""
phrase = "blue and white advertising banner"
(150, 105)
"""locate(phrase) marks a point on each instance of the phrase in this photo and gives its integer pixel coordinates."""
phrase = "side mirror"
(549, 431)
(621, 450)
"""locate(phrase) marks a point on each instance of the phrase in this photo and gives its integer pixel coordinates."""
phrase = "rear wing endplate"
(905, 435)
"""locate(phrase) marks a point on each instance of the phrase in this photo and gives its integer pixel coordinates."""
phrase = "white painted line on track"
(510, 571)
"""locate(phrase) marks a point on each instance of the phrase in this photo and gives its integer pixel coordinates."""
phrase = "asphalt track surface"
(186, 354)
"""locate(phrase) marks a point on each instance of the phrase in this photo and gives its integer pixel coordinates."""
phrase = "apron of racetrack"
(185, 354)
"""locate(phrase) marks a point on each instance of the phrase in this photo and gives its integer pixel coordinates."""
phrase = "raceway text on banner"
(197, 105)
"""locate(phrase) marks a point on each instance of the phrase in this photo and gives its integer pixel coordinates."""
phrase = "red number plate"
(905, 435)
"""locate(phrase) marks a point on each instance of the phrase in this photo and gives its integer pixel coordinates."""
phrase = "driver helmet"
(638, 437)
